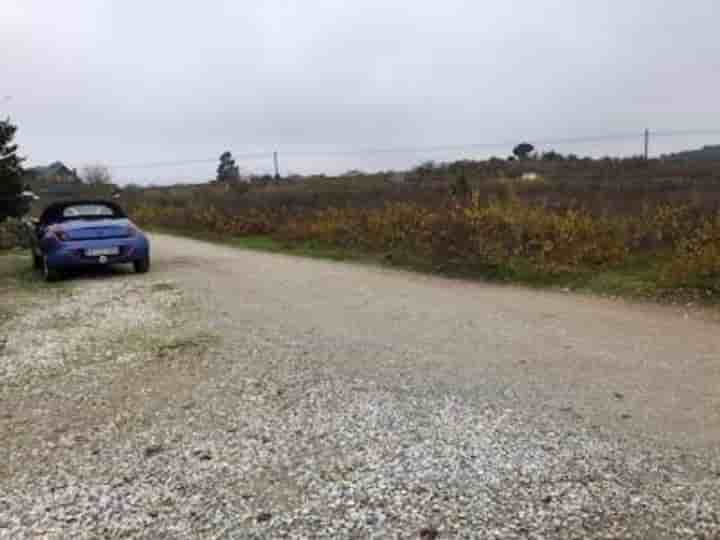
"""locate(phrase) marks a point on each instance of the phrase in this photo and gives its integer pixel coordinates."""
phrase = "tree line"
(12, 203)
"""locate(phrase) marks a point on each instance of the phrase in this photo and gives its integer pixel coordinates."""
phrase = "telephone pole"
(647, 143)
(277, 167)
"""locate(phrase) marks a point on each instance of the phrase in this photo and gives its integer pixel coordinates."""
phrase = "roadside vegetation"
(11, 173)
(17, 276)
(626, 227)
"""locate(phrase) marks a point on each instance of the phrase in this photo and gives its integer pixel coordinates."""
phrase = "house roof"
(56, 168)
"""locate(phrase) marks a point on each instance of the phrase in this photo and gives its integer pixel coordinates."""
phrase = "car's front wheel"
(142, 265)
(49, 273)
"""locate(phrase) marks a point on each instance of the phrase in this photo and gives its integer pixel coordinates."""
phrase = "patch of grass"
(175, 345)
(160, 287)
(20, 284)
(268, 244)
(640, 277)
(318, 250)
(16, 269)
(6, 313)
(10, 262)
(311, 249)
(262, 243)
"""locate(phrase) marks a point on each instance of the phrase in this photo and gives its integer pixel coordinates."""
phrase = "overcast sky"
(128, 81)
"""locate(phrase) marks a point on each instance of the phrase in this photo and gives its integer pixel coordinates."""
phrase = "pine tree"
(227, 171)
(11, 173)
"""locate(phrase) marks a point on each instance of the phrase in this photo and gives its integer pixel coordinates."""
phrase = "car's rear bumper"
(70, 254)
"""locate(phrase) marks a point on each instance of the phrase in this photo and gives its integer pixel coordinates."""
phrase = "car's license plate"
(100, 252)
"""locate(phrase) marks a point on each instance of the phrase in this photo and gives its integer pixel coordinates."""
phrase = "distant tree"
(427, 167)
(511, 158)
(227, 171)
(523, 150)
(461, 167)
(552, 155)
(96, 175)
(11, 174)
(261, 179)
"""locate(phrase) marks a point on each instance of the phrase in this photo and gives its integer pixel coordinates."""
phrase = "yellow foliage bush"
(492, 234)
(698, 255)
(252, 222)
(469, 233)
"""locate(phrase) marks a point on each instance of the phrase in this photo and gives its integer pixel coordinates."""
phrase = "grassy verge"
(16, 272)
(638, 279)
(271, 245)
(20, 285)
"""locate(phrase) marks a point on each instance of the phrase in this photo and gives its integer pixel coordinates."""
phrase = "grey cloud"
(133, 81)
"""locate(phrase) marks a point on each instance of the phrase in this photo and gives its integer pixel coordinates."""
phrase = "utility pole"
(647, 143)
(277, 167)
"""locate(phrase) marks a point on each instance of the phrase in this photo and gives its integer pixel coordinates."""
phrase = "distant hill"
(706, 153)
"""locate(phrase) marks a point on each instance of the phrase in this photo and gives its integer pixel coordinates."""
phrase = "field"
(631, 227)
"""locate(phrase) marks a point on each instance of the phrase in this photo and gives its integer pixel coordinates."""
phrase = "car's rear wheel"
(49, 273)
(142, 265)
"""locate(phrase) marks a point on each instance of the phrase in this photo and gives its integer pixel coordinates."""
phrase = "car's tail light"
(61, 235)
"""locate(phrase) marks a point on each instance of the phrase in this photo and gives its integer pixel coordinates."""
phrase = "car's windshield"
(88, 211)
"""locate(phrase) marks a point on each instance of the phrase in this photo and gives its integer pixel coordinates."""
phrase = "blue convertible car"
(73, 234)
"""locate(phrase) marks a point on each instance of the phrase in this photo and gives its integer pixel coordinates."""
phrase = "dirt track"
(268, 396)
(640, 368)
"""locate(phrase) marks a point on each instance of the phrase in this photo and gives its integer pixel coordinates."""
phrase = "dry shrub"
(697, 256)
(582, 216)
(472, 234)
(210, 219)
(476, 232)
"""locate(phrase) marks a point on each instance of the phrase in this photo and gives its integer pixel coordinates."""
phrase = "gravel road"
(266, 396)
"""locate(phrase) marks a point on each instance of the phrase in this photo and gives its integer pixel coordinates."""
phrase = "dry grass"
(573, 218)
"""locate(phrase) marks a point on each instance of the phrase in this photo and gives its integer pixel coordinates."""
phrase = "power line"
(685, 133)
(422, 149)
(470, 146)
(152, 165)
(156, 164)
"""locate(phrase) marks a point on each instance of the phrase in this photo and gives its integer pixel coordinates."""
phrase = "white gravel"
(285, 428)
(81, 326)
(355, 459)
